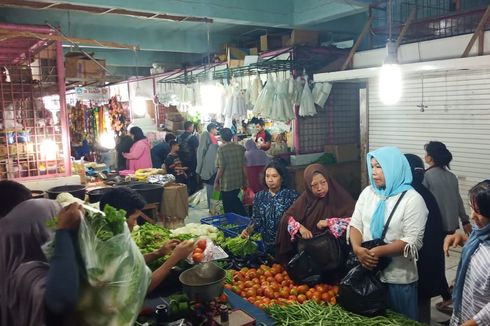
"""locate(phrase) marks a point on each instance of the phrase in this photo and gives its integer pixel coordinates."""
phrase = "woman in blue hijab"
(390, 181)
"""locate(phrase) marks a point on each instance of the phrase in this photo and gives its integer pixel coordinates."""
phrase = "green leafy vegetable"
(326, 159)
(239, 246)
(150, 237)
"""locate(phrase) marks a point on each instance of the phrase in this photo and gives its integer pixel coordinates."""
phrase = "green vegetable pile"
(326, 159)
(239, 246)
(315, 314)
(229, 226)
(150, 237)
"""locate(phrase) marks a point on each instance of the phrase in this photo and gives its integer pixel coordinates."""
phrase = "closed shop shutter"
(457, 113)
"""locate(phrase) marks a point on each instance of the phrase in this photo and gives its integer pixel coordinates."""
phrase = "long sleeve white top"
(407, 224)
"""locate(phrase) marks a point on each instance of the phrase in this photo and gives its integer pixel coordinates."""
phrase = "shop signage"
(92, 93)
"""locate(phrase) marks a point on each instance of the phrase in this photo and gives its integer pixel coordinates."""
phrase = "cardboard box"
(235, 63)
(93, 70)
(302, 37)
(236, 53)
(76, 67)
(270, 42)
(344, 152)
(174, 116)
(253, 51)
(48, 52)
(174, 125)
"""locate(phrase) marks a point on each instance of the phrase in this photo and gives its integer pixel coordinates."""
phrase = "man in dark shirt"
(188, 143)
(160, 151)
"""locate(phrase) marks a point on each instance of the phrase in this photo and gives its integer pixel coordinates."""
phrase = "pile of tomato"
(267, 285)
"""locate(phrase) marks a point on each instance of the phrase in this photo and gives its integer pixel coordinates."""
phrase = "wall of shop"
(452, 108)
(336, 123)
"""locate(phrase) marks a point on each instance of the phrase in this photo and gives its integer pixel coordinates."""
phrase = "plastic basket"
(220, 221)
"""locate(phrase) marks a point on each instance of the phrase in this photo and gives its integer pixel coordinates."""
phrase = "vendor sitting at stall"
(173, 164)
(270, 204)
(263, 138)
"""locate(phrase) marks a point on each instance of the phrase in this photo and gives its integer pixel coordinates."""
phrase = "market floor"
(451, 266)
(195, 215)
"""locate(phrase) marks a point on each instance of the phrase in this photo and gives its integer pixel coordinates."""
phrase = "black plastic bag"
(303, 270)
(362, 292)
(325, 249)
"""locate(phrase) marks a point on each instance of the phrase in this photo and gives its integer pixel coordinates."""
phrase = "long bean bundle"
(315, 314)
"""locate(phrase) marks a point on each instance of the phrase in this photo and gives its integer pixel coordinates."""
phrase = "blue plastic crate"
(228, 218)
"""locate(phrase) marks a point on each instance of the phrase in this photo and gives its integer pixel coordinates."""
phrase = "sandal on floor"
(445, 307)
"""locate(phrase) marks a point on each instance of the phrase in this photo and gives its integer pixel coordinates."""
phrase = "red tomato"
(198, 250)
(201, 243)
(223, 298)
(301, 298)
(197, 257)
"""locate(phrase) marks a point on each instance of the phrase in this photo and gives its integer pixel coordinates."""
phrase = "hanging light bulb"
(390, 76)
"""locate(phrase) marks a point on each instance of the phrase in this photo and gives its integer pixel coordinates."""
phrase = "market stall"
(256, 290)
(34, 140)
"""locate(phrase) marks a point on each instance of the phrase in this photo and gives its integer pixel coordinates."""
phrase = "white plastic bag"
(199, 199)
(116, 281)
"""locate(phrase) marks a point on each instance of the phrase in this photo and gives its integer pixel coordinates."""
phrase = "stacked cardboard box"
(79, 66)
(174, 121)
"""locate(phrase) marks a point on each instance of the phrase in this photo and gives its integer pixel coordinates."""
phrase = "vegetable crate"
(230, 223)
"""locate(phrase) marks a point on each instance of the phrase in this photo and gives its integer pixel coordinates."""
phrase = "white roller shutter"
(457, 113)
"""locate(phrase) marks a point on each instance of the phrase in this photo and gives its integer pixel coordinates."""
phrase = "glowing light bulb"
(390, 84)
(211, 98)
(107, 141)
(138, 105)
(49, 150)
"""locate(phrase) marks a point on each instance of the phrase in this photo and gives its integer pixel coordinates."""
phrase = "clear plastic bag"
(199, 199)
(116, 279)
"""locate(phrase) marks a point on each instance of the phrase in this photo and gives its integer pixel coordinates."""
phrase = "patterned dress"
(267, 212)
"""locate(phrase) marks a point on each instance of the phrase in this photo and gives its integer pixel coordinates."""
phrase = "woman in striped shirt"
(471, 294)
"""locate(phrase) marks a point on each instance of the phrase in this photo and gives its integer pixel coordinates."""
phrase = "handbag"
(352, 260)
(324, 249)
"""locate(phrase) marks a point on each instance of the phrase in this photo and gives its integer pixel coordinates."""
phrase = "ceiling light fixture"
(390, 77)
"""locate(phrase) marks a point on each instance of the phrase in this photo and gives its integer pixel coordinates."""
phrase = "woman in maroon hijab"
(322, 199)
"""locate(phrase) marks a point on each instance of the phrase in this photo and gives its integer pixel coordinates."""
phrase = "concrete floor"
(451, 267)
(195, 215)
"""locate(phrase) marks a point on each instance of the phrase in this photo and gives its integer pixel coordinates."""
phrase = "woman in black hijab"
(431, 258)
